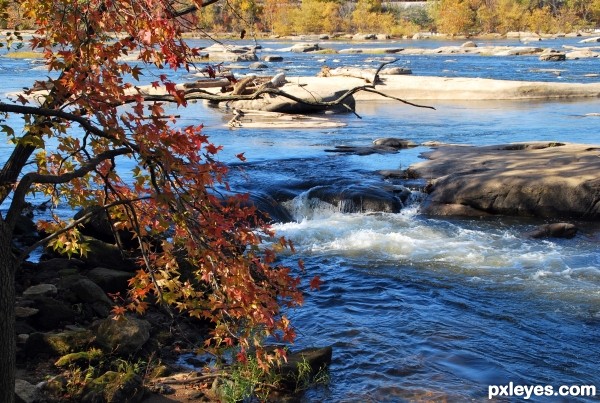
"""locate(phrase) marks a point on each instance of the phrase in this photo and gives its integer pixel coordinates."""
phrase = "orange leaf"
(315, 283)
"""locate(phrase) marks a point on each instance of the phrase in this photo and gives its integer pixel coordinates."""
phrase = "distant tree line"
(454, 17)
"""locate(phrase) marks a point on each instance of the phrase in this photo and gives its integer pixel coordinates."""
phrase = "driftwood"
(208, 83)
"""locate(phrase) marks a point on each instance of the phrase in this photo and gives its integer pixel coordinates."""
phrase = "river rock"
(469, 44)
(258, 66)
(272, 58)
(395, 71)
(27, 393)
(103, 254)
(110, 280)
(124, 336)
(58, 344)
(393, 142)
(551, 55)
(52, 313)
(545, 179)
(357, 198)
(554, 230)
(581, 54)
(91, 294)
(40, 290)
(305, 47)
(318, 359)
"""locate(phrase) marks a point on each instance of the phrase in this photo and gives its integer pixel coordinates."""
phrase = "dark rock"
(394, 143)
(269, 209)
(272, 58)
(52, 314)
(102, 254)
(554, 230)
(40, 290)
(58, 344)
(553, 56)
(124, 336)
(316, 359)
(99, 226)
(357, 199)
(258, 66)
(110, 280)
(90, 293)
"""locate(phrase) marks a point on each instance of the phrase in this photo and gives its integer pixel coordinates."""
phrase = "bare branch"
(195, 93)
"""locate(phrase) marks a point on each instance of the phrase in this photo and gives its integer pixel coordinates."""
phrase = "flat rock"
(545, 180)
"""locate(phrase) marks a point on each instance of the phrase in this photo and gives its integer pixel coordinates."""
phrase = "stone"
(51, 314)
(469, 44)
(357, 198)
(305, 47)
(90, 293)
(26, 392)
(258, 66)
(590, 40)
(394, 142)
(318, 359)
(25, 312)
(40, 290)
(58, 344)
(543, 179)
(550, 55)
(272, 58)
(554, 230)
(110, 280)
(395, 71)
(103, 254)
(124, 336)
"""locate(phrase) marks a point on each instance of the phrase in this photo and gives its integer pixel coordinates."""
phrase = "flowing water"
(417, 308)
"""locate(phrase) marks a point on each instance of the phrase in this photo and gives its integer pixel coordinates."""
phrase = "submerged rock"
(554, 230)
(358, 198)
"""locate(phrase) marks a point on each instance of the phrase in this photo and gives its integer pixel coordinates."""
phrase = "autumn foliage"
(198, 250)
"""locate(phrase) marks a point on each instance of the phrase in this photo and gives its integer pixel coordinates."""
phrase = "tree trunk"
(7, 316)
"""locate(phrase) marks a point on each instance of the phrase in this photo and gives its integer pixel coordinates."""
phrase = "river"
(418, 308)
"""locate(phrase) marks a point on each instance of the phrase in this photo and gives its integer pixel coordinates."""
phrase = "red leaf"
(315, 283)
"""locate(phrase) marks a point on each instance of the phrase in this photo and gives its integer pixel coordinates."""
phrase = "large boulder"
(546, 180)
(124, 336)
(110, 280)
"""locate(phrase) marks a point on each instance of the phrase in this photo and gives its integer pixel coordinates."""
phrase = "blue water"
(422, 309)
